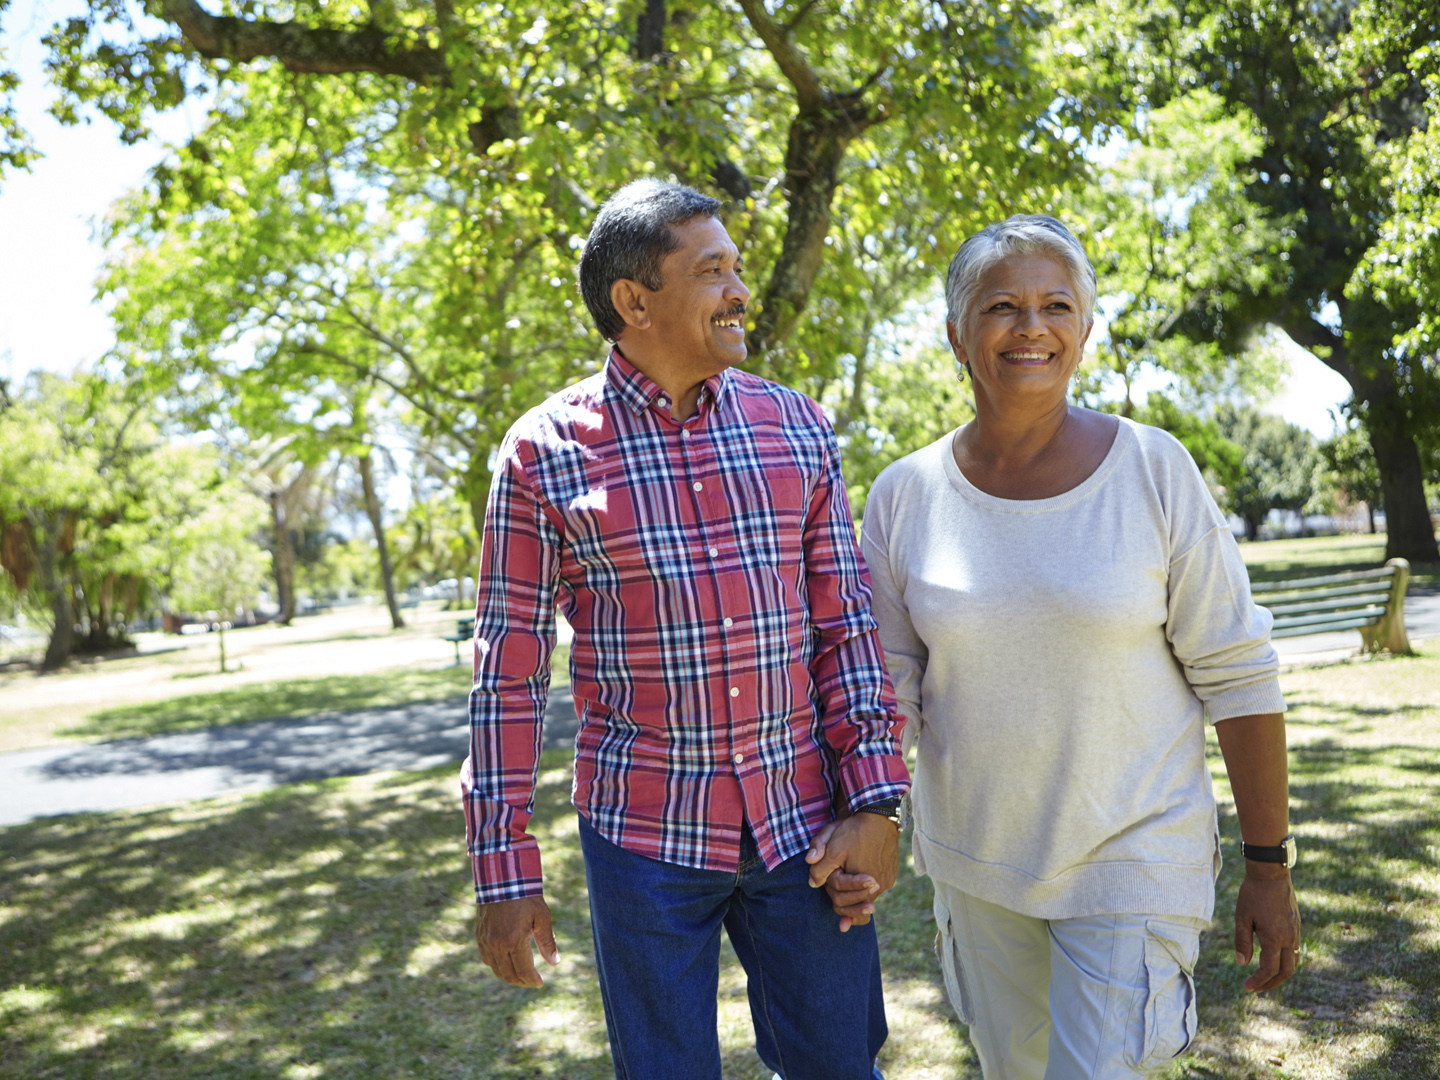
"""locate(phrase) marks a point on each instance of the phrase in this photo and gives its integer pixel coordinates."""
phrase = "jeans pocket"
(954, 973)
(1170, 1016)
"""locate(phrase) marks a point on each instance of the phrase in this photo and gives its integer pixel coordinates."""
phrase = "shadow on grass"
(320, 930)
(1366, 818)
(272, 700)
(289, 698)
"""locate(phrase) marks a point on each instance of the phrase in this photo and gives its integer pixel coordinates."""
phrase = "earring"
(960, 369)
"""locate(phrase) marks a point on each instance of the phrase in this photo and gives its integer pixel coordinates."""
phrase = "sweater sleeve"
(1219, 635)
(906, 655)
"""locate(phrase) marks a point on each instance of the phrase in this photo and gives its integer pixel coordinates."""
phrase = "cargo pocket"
(952, 969)
(1171, 950)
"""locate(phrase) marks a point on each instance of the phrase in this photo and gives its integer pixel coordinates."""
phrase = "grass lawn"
(1276, 560)
(323, 930)
(346, 659)
(291, 697)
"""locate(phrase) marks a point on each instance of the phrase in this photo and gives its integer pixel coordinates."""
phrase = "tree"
(1277, 471)
(398, 202)
(1349, 470)
(222, 568)
(1336, 96)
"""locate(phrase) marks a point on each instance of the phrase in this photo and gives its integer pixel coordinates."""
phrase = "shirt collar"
(639, 391)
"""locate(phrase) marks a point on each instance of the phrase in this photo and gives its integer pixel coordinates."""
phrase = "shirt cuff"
(872, 779)
(507, 875)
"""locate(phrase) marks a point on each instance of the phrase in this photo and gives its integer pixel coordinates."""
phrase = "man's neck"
(679, 383)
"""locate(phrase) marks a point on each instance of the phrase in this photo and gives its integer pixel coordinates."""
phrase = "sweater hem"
(1129, 887)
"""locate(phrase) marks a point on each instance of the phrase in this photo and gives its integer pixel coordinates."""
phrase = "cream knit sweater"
(1055, 660)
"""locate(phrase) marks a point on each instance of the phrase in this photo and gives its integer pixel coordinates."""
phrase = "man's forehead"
(704, 237)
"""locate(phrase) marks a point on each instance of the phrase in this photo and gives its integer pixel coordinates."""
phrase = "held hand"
(1267, 909)
(856, 860)
(503, 931)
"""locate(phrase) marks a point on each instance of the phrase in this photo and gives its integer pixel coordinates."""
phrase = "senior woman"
(1062, 606)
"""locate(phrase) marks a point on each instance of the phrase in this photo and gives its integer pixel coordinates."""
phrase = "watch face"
(1290, 852)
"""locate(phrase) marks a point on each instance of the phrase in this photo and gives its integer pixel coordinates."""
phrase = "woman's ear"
(956, 345)
(631, 300)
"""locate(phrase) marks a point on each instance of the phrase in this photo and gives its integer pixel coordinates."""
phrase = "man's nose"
(737, 291)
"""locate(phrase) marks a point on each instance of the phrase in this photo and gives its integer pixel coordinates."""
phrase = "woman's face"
(1024, 331)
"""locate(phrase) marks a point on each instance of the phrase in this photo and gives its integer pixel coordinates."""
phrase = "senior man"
(691, 521)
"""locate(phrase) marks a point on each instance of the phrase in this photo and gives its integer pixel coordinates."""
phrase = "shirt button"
(739, 759)
(684, 433)
(729, 622)
(734, 691)
(698, 486)
(713, 553)
(664, 403)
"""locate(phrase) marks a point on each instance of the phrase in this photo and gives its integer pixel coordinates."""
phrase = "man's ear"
(632, 301)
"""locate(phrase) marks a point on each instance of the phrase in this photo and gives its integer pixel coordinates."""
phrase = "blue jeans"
(815, 994)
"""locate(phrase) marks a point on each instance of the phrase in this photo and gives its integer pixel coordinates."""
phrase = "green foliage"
(91, 501)
(1220, 460)
(1278, 468)
(1338, 94)
(1348, 474)
(222, 567)
(1168, 228)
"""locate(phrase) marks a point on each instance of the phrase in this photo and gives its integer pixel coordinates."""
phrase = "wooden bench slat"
(1334, 604)
(1370, 614)
(1266, 587)
(1268, 598)
(1299, 631)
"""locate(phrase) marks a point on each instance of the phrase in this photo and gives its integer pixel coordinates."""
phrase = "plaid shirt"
(725, 665)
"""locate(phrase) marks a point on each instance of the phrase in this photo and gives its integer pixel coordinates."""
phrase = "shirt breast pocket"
(771, 524)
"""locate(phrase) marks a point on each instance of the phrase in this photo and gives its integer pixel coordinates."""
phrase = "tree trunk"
(284, 560)
(813, 156)
(1370, 513)
(372, 508)
(62, 636)
(222, 643)
(1408, 531)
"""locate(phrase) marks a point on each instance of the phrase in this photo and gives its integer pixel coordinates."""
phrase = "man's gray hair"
(630, 237)
(1022, 234)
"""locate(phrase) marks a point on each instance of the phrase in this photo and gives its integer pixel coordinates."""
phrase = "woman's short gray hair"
(1022, 234)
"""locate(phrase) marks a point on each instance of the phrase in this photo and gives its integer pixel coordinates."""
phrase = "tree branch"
(306, 49)
(808, 94)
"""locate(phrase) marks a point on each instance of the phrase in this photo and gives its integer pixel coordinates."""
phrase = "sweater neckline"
(1124, 435)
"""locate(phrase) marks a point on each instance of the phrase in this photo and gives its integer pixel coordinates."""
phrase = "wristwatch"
(1283, 852)
(895, 809)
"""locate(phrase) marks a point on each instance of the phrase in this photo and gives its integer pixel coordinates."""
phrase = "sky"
(50, 259)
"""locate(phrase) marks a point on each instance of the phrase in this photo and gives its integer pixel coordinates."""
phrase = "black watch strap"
(886, 808)
(1283, 853)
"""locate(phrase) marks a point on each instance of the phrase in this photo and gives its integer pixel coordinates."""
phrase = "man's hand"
(1266, 909)
(503, 931)
(856, 860)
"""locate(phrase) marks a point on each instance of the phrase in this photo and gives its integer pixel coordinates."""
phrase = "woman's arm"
(1255, 759)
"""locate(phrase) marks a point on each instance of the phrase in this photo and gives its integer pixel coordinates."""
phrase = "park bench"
(464, 631)
(1371, 601)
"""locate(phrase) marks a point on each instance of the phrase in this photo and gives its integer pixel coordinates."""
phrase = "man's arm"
(514, 640)
(860, 718)
(1255, 759)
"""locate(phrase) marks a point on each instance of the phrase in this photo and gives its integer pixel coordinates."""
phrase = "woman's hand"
(1267, 910)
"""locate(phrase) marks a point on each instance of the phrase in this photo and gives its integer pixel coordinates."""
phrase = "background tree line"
(373, 235)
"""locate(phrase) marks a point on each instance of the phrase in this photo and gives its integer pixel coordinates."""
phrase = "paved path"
(249, 757)
(235, 758)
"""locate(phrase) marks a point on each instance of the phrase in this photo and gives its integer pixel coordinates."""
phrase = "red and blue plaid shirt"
(725, 666)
